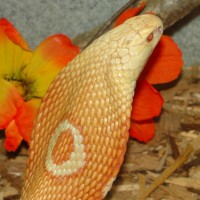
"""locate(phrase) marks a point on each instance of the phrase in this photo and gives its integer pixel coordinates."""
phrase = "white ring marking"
(77, 157)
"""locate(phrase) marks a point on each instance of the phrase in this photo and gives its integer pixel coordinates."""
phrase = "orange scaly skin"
(80, 135)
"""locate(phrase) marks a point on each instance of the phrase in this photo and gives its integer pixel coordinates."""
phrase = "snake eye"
(150, 37)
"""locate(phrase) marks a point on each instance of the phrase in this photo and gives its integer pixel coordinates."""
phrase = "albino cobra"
(81, 131)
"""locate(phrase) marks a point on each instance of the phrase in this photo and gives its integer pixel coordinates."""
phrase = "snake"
(82, 127)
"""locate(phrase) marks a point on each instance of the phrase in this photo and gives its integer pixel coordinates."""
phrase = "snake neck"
(108, 84)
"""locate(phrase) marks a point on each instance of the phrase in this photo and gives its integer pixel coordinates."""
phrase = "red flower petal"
(165, 63)
(142, 131)
(49, 58)
(12, 57)
(13, 138)
(147, 102)
(58, 48)
(12, 33)
(10, 102)
(25, 118)
(131, 12)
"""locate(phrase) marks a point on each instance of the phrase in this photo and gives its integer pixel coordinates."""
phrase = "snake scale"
(81, 130)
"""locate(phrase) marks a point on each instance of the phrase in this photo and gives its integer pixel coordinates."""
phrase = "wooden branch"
(171, 11)
(109, 23)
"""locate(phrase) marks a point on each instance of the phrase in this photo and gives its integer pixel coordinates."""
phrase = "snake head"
(130, 46)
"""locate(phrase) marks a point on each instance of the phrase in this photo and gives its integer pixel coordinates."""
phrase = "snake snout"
(160, 29)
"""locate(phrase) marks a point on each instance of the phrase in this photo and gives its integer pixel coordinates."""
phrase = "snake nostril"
(160, 29)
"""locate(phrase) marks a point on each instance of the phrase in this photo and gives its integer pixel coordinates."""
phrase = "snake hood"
(81, 130)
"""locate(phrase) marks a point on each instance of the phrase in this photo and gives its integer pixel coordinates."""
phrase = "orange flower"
(163, 66)
(25, 77)
(131, 12)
